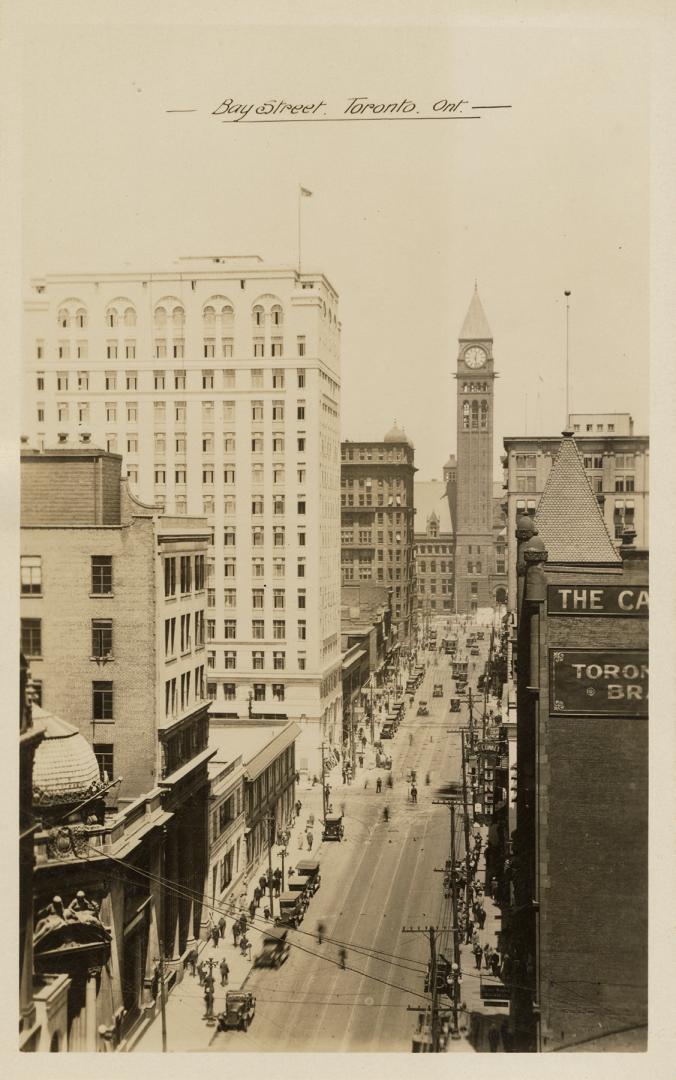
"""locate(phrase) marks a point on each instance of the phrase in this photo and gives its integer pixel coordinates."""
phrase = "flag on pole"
(304, 191)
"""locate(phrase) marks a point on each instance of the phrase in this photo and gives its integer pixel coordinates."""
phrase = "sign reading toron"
(601, 682)
(631, 601)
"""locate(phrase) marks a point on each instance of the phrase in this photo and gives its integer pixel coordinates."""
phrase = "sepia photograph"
(333, 445)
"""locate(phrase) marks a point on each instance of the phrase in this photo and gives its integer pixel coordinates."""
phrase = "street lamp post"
(282, 854)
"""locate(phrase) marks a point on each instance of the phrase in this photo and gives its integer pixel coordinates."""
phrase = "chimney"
(62, 437)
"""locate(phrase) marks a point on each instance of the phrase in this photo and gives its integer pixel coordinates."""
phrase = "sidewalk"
(187, 1027)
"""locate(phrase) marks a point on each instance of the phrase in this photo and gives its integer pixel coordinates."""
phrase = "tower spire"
(475, 326)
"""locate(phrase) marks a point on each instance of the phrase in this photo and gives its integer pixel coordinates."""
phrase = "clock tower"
(474, 544)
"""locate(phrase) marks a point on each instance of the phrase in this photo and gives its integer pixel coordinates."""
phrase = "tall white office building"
(219, 382)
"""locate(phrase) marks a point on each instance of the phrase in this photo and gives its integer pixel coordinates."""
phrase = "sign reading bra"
(629, 601)
(598, 682)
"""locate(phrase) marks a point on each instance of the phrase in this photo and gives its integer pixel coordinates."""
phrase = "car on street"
(240, 1009)
(438, 690)
(455, 704)
(423, 709)
(274, 949)
(387, 731)
(333, 827)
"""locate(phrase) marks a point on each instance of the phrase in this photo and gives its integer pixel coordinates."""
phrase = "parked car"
(438, 690)
(308, 869)
(333, 827)
(455, 704)
(474, 651)
(240, 1009)
(423, 709)
(387, 731)
(292, 909)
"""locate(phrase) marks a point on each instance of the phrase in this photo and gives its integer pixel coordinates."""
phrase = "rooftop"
(569, 519)
(429, 497)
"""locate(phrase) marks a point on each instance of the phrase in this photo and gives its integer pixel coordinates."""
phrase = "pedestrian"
(494, 1039)
(361, 761)
(390, 781)
(221, 925)
(192, 961)
(257, 897)
(495, 963)
(494, 887)
(215, 936)
(201, 971)
(243, 923)
(321, 929)
(344, 774)
(299, 807)
(482, 916)
(488, 952)
(327, 790)
(311, 817)
(244, 945)
(342, 956)
(476, 949)
(386, 814)
(470, 930)
(225, 971)
(266, 913)
(414, 794)
(379, 785)
(263, 884)
(208, 1004)
(236, 931)
(297, 777)
(310, 839)
(208, 976)
(252, 909)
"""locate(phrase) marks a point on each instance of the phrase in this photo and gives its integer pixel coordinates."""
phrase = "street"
(378, 880)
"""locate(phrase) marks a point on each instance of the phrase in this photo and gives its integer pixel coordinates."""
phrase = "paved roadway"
(379, 879)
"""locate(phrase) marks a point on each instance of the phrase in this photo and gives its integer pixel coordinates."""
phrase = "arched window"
(178, 316)
(63, 317)
(484, 414)
(129, 317)
(465, 414)
(209, 315)
(258, 315)
(228, 315)
(111, 316)
(277, 315)
(475, 414)
(80, 317)
(160, 316)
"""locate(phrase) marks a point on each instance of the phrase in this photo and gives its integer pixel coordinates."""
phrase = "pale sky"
(551, 194)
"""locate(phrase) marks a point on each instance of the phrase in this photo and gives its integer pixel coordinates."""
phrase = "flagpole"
(300, 196)
(567, 296)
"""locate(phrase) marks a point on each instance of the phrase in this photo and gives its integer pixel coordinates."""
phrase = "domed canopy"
(65, 769)
(396, 435)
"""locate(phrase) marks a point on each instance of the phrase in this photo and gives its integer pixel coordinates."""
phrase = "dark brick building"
(575, 888)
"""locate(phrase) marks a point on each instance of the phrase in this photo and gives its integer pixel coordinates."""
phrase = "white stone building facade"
(219, 383)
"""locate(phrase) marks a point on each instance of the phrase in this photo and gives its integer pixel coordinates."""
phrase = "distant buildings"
(377, 520)
(434, 550)
(218, 380)
(615, 460)
(574, 891)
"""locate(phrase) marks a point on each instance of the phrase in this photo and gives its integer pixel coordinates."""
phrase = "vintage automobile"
(274, 949)
(307, 870)
(292, 909)
(474, 651)
(387, 731)
(333, 827)
(438, 690)
(298, 886)
(455, 704)
(240, 1009)
(411, 686)
(480, 635)
(423, 709)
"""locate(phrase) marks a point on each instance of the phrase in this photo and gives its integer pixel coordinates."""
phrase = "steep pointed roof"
(569, 519)
(475, 326)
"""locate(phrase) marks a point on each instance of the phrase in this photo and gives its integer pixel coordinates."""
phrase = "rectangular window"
(276, 347)
(230, 598)
(278, 567)
(278, 629)
(178, 349)
(160, 349)
(301, 506)
(102, 574)
(186, 643)
(31, 575)
(229, 695)
(301, 568)
(31, 637)
(301, 444)
(111, 412)
(257, 442)
(259, 347)
(102, 700)
(301, 598)
(179, 412)
(230, 629)
(300, 410)
(302, 661)
(180, 475)
(186, 574)
(228, 410)
(170, 577)
(258, 598)
(158, 380)
(179, 380)
(130, 350)
(83, 380)
(207, 413)
(229, 660)
(259, 691)
(278, 599)
(229, 442)
(229, 536)
(257, 535)
(169, 637)
(278, 410)
(208, 475)
(111, 380)
(82, 350)
(258, 629)
(211, 629)
(278, 380)
(278, 534)
(103, 752)
(279, 661)
(207, 380)
(302, 630)
(62, 412)
(102, 638)
(111, 350)
(132, 444)
(256, 410)
(258, 660)
(257, 568)
(62, 380)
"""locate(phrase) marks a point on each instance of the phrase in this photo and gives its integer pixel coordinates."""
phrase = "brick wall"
(593, 841)
(66, 488)
(66, 609)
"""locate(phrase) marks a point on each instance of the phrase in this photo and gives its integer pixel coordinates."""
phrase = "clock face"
(475, 357)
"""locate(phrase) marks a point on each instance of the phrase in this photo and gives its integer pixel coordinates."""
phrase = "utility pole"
(323, 780)
(466, 822)
(471, 718)
(163, 1010)
(431, 931)
(456, 942)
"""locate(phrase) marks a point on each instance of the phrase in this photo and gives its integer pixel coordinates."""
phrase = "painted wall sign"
(631, 601)
(598, 682)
